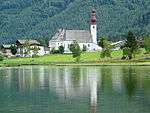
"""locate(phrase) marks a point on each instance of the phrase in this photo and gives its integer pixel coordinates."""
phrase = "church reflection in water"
(71, 82)
(65, 82)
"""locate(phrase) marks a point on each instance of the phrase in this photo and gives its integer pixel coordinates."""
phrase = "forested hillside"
(40, 19)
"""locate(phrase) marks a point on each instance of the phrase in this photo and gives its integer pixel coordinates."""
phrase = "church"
(86, 38)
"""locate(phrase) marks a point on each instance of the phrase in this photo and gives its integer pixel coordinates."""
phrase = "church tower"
(94, 26)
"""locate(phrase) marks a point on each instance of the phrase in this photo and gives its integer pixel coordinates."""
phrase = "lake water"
(48, 89)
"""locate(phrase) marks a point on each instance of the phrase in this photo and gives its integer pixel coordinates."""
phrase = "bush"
(33, 56)
(13, 49)
(61, 49)
(124, 57)
(54, 51)
(84, 48)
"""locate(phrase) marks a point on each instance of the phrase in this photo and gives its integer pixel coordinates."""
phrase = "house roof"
(82, 36)
(7, 45)
(119, 42)
(22, 42)
(140, 41)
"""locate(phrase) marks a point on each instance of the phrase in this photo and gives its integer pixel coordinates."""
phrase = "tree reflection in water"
(75, 89)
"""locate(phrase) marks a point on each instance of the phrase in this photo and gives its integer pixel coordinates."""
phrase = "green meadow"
(86, 59)
(66, 57)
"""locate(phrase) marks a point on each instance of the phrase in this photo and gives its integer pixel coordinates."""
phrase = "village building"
(86, 38)
(21, 48)
(117, 45)
(6, 49)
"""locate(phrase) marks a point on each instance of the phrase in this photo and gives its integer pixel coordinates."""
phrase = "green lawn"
(67, 57)
(87, 59)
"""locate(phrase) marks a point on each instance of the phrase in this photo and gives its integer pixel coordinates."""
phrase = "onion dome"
(93, 19)
(93, 11)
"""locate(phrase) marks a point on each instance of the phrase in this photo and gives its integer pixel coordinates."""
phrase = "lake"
(50, 89)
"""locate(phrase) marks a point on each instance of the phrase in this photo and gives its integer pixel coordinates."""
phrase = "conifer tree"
(147, 44)
(132, 44)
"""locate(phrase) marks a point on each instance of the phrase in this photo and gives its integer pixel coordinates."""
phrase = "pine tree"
(132, 44)
(147, 45)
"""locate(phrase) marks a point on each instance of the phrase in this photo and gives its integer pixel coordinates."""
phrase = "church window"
(88, 45)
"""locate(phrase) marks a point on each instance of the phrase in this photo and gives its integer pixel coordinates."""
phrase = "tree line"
(40, 19)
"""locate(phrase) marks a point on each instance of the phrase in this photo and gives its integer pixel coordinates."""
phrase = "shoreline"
(88, 63)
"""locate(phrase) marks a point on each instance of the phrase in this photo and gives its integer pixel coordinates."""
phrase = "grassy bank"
(66, 57)
(86, 59)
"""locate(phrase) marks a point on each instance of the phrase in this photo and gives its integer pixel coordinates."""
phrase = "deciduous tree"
(76, 51)
(106, 51)
(42, 42)
(35, 50)
(27, 48)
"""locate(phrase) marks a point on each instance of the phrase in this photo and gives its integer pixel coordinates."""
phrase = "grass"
(86, 59)
(66, 57)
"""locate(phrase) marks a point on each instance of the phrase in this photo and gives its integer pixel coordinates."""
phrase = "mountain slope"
(39, 19)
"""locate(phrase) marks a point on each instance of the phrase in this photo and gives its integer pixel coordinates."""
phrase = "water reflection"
(95, 89)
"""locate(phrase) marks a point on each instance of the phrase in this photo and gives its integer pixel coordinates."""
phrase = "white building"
(21, 49)
(117, 45)
(86, 38)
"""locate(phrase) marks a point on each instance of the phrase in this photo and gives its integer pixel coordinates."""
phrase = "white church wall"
(52, 44)
(91, 47)
(96, 47)
(66, 45)
(58, 44)
(55, 44)
(88, 45)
